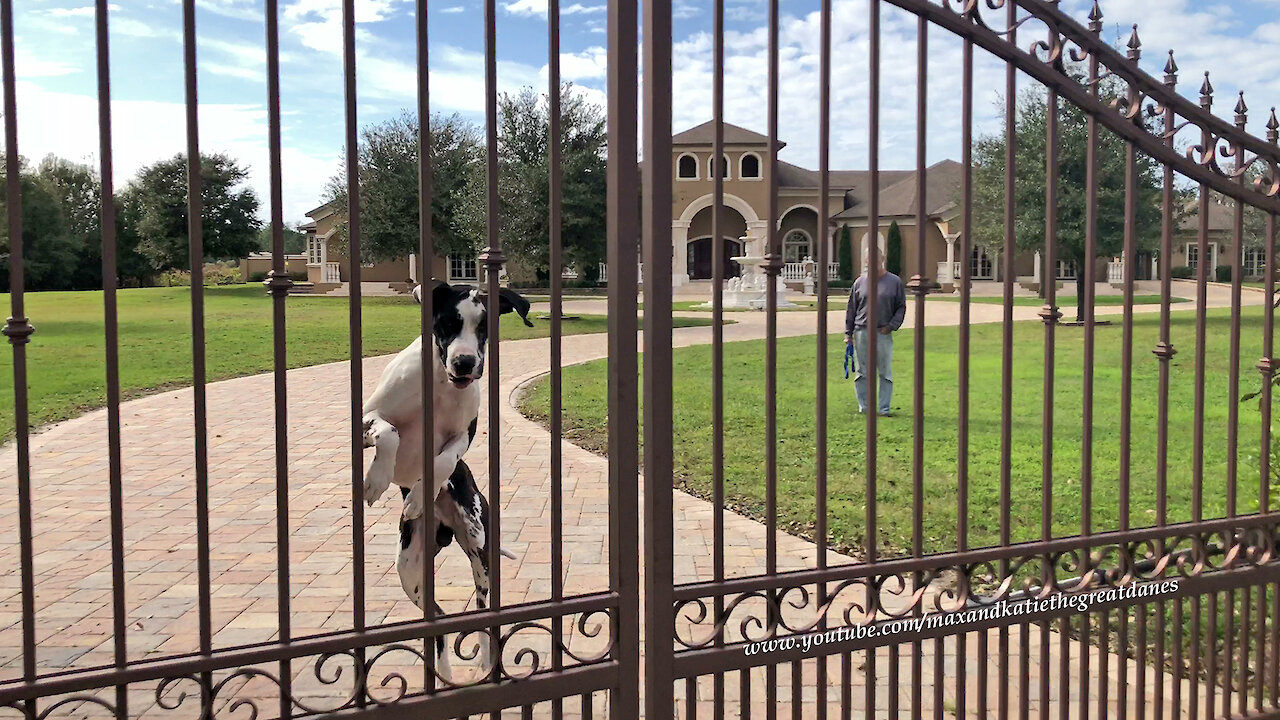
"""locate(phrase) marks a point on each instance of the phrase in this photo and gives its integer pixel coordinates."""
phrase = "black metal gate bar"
(493, 259)
(1233, 430)
(962, 366)
(1164, 352)
(871, 247)
(623, 219)
(1049, 315)
(658, 406)
(278, 284)
(1006, 353)
(355, 338)
(1132, 103)
(18, 329)
(1089, 351)
(826, 236)
(1197, 457)
(919, 287)
(554, 181)
(111, 365)
(772, 265)
(718, 270)
(195, 245)
(426, 323)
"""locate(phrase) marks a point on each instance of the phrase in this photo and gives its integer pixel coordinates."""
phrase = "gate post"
(658, 582)
(623, 393)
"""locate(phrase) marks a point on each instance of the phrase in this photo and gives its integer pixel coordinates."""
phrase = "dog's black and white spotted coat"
(393, 427)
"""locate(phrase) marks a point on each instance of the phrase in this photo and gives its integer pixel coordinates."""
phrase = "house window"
(1255, 262)
(687, 167)
(795, 247)
(750, 166)
(461, 268)
(1193, 256)
(980, 266)
(1066, 270)
(315, 250)
(724, 168)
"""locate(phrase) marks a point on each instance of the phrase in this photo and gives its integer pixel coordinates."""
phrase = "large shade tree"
(388, 162)
(62, 239)
(524, 140)
(1031, 123)
(157, 202)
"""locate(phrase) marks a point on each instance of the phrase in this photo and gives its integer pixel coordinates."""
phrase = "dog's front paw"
(374, 486)
(413, 503)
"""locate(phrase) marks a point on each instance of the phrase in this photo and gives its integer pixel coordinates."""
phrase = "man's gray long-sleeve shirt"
(891, 303)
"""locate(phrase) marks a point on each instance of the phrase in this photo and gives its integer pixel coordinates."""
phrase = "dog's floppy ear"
(510, 300)
(440, 295)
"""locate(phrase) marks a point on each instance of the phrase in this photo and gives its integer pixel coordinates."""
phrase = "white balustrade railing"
(948, 272)
(1115, 272)
(331, 273)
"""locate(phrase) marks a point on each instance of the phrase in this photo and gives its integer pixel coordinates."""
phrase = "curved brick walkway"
(72, 549)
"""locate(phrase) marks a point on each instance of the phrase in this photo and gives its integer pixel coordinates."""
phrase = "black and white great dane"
(393, 418)
(393, 413)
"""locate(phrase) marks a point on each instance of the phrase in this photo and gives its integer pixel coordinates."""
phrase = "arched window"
(724, 168)
(750, 167)
(796, 246)
(687, 167)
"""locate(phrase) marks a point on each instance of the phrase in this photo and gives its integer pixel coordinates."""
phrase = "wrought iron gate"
(1183, 613)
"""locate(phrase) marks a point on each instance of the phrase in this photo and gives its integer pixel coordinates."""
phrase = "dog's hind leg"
(469, 517)
(385, 440)
(409, 565)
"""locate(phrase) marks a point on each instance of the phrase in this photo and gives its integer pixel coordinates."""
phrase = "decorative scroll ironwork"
(523, 650)
(1207, 141)
(769, 613)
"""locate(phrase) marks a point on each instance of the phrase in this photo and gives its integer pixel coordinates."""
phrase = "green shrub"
(1223, 273)
(214, 274)
(893, 249)
(1182, 272)
(845, 256)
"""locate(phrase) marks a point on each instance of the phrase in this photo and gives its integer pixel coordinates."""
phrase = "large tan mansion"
(745, 222)
(746, 188)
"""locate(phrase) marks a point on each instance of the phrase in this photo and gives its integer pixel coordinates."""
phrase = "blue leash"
(848, 358)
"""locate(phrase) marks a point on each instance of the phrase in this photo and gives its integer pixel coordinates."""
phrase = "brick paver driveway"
(71, 521)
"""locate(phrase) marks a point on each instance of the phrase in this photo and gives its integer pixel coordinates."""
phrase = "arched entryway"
(700, 248)
(701, 253)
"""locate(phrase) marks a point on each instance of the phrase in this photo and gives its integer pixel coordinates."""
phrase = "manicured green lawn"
(1067, 301)
(65, 356)
(585, 416)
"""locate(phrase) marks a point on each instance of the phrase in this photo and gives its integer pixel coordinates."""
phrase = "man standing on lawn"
(891, 308)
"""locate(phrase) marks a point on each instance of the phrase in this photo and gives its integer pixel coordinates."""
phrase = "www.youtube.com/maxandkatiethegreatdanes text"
(1080, 602)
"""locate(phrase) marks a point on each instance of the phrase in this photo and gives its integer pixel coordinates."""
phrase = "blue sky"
(1235, 40)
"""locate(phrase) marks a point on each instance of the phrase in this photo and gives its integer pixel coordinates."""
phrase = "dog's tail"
(507, 554)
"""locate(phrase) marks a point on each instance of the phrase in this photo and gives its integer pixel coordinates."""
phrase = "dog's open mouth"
(460, 381)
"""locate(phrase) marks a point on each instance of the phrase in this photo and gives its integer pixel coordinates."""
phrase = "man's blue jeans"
(884, 368)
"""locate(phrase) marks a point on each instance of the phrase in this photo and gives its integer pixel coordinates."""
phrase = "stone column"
(951, 239)
(680, 252)
(757, 237)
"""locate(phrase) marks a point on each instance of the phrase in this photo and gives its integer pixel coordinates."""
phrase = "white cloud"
(454, 10)
(82, 11)
(590, 64)
(538, 8)
(146, 131)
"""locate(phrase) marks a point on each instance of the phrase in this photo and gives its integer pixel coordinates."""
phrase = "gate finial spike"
(1273, 127)
(1171, 67)
(1206, 91)
(1135, 44)
(1242, 110)
(1095, 18)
